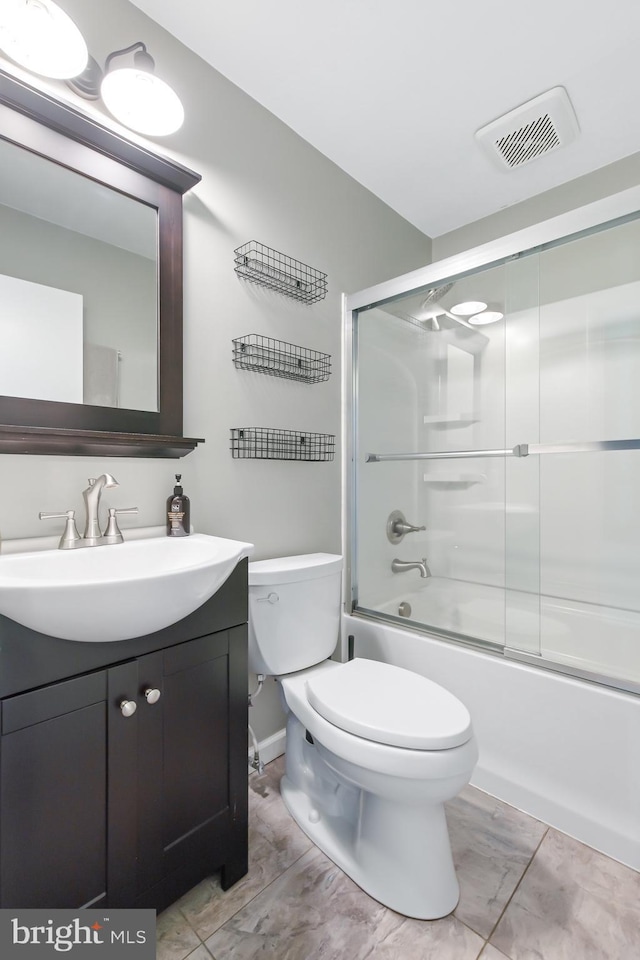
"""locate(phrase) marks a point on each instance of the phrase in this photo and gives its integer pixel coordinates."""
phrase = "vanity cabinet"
(124, 783)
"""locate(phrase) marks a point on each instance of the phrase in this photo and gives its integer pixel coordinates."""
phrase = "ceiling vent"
(530, 131)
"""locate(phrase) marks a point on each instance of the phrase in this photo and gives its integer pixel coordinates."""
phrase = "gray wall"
(593, 186)
(259, 181)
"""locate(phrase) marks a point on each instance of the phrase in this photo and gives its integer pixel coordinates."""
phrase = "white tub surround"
(563, 750)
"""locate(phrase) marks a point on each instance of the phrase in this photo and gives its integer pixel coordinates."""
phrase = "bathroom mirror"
(90, 285)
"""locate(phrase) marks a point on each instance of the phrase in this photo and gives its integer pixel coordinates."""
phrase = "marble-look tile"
(175, 939)
(315, 912)
(492, 845)
(573, 903)
(200, 953)
(490, 953)
(275, 842)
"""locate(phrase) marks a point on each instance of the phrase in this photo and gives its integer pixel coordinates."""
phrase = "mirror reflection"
(78, 287)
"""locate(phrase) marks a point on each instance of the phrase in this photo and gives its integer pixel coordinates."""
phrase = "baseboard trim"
(617, 845)
(271, 747)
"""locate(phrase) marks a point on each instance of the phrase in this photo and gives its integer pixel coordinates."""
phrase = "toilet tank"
(294, 611)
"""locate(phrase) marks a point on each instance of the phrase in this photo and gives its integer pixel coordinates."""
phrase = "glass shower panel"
(390, 391)
(429, 382)
(589, 366)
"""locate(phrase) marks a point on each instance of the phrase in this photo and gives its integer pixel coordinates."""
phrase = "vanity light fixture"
(139, 99)
(40, 36)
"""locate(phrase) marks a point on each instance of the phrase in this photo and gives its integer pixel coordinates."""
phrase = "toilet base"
(397, 853)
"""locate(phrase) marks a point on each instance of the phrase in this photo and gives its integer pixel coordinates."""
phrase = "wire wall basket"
(277, 271)
(277, 358)
(267, 443)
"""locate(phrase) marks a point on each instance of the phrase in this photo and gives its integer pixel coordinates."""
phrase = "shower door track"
(502, 651)
(520, 450)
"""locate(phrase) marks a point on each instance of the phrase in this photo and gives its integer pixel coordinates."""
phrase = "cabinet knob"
(128, 708)
(152, 695)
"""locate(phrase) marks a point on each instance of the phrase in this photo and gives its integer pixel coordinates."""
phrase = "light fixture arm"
(159, 110)
(142, 58)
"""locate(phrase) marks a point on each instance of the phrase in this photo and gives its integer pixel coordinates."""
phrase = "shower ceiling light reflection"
(487, 316)
(468, 307)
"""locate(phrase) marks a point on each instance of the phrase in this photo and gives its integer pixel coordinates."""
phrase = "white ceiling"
(394, 90)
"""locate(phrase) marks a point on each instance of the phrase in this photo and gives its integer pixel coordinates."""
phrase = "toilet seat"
(389, 705)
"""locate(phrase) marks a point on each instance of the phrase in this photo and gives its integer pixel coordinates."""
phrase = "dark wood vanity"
(102, 806)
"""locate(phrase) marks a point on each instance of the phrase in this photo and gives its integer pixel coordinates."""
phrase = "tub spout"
(399, 566)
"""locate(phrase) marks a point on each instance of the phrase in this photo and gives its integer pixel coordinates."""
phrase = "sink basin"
(115, 592)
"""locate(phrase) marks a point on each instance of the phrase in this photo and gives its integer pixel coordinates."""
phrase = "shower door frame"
(601, 214)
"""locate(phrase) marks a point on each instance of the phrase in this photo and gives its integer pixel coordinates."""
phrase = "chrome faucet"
(399, 566)
(93, 536)
(92, 496)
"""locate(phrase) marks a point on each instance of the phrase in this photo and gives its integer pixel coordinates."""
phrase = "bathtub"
(564, 750)
(601, 639)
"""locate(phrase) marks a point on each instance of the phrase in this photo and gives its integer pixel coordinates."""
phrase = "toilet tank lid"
(308, 566)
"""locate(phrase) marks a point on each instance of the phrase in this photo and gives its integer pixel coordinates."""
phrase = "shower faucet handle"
(397, 526)
(400, 527)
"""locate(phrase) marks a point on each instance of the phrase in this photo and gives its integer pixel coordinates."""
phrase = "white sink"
(115, 592)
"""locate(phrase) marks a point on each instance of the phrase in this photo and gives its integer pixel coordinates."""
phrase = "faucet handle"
(402, 528)
(113, 533)
(397, 527)
(70, 536)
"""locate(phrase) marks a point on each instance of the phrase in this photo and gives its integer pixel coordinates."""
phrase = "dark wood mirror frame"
(40, 123)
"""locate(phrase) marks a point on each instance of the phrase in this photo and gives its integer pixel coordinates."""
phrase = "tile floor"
(527, 893)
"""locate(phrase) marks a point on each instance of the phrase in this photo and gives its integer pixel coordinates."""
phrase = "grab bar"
(520, 450)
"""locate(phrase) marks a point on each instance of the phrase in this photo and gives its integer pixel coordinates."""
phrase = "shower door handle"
(521, 450)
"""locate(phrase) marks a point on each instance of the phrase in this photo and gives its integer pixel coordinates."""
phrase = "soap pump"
(178, 512)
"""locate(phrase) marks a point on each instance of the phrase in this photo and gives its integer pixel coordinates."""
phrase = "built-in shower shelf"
(451, 419)
(454, 476)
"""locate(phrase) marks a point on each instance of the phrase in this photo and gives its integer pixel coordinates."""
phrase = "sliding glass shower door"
(497, 463)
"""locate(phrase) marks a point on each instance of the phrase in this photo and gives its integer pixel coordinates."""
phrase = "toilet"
(373, 750)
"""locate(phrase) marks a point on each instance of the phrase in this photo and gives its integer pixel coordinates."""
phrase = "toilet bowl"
(373, 751)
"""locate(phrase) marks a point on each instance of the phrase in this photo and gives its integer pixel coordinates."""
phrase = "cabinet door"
(53, 795)
(192, 822)
(123, 735)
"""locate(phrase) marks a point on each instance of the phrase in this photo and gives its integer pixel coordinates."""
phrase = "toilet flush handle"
(270, 598)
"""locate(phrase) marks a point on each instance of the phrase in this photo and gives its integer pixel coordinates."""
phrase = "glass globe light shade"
(40, 36)
(142, 102)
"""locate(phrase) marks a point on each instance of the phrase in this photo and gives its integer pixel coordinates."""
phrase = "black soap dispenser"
(178, 512)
